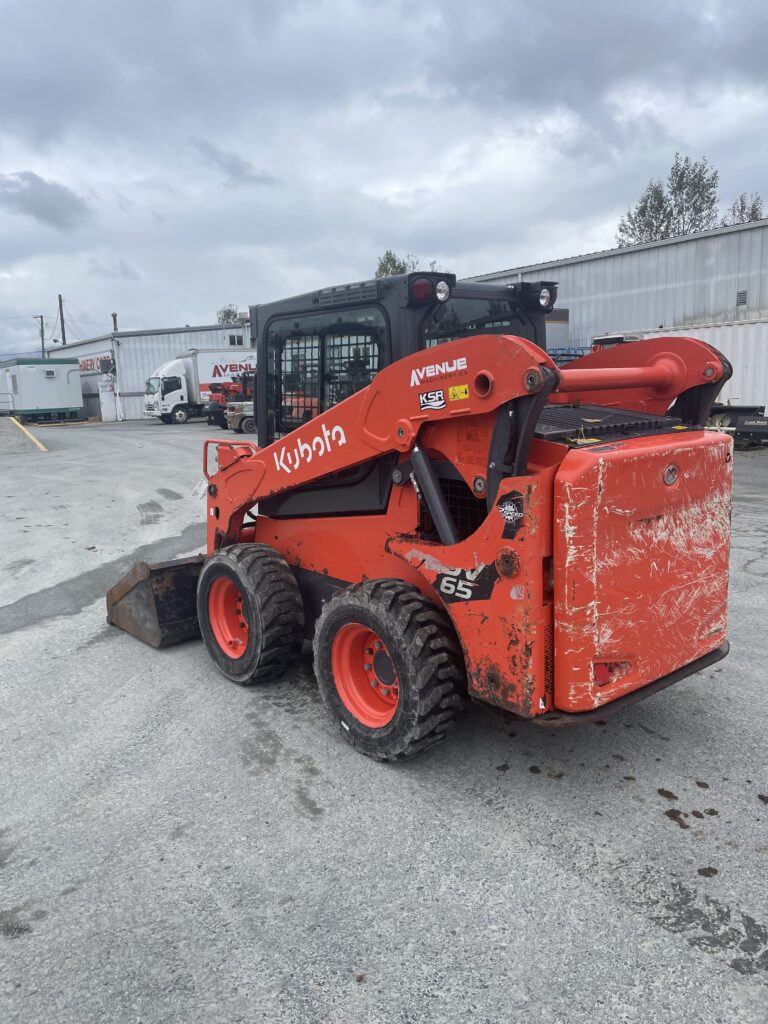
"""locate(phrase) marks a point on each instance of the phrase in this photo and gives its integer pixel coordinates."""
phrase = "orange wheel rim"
(225, 613)
(365, 677)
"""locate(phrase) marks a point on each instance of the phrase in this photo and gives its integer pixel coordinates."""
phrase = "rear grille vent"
(365, 291)
(741, 298)
(467, 511)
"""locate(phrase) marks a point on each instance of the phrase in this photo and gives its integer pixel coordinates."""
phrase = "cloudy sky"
(160, 158)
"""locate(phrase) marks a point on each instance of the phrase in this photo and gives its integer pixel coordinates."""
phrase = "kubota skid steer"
(451, 514)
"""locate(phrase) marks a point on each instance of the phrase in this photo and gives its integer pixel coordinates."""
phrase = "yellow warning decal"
(457, 392)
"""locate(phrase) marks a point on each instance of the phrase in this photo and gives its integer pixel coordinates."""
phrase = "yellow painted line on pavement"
(31, 437)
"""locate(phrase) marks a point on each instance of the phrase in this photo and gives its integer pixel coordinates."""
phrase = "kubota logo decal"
(437, 370)
(290, 459)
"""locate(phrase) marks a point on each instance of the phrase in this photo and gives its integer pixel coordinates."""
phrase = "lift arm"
(465, 377)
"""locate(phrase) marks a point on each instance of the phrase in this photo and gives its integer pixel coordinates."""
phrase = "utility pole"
(41, 318)
(114, 322)
(61, 321)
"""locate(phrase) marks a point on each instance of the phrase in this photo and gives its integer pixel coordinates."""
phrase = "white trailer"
(741, 405)
(181, 388)
(744, 344)
(41, 389)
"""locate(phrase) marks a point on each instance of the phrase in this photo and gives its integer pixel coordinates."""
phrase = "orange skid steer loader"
(450, 515)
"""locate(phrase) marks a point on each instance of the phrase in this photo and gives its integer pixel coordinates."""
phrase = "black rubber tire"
(165, 418)
(272, 607)
(248, 425)
(180, 414)
(425, 652)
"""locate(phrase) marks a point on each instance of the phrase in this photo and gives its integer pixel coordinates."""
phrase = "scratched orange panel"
(641, 565)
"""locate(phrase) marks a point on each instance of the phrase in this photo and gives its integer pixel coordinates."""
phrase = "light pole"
(41, 318)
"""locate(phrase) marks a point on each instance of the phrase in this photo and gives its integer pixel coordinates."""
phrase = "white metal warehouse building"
(712, 285)
(121, 362)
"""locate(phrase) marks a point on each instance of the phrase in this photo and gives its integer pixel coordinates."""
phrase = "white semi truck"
(181, 388)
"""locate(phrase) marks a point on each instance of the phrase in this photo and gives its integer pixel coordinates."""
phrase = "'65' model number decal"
(467, 584)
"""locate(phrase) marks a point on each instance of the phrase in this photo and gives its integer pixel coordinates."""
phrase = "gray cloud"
(46, 201)
(482, 135)
(235, 169)
(114, 268)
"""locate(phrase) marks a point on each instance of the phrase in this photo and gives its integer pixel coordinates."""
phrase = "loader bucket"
(156, 603)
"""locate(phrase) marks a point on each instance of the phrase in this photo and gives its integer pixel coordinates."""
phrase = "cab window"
(461, 317)
(316, 360)
(171, 384)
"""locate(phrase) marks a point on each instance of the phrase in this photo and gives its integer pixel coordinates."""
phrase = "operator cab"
(319, 348)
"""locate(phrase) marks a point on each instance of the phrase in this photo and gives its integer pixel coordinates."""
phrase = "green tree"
(687, 203)
(692, 189)
(227, 314)
(390, 263)
(648, 220)
(743, 209)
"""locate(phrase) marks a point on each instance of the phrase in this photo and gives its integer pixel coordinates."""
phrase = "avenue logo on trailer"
(227, 369)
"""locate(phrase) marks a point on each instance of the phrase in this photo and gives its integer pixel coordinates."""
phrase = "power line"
(26, 316)
(77, 334)
(53, 329)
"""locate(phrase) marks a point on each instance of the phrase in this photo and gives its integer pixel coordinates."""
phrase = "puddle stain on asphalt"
(150, 512)
(710, 925)
(14, 568)
(15, 922)
(7, 846)
(678, 816)
(71, 596)
(263, 750)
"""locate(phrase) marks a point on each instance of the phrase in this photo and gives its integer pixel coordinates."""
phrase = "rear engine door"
(641, 549)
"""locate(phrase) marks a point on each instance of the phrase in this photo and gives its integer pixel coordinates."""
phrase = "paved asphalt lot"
(174, 848)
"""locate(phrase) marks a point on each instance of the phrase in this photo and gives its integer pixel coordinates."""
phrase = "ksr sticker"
(432, 400)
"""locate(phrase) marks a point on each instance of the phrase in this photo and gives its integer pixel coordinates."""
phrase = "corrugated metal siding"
(138, 355)
(689, 281)
(132, 408)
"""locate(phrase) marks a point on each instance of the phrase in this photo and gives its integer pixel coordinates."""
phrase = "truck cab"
(167, 392)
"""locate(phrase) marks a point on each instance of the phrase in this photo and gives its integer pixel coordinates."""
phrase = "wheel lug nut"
(367, 667)
(379, 645)
(374, 684)
(385, 691)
